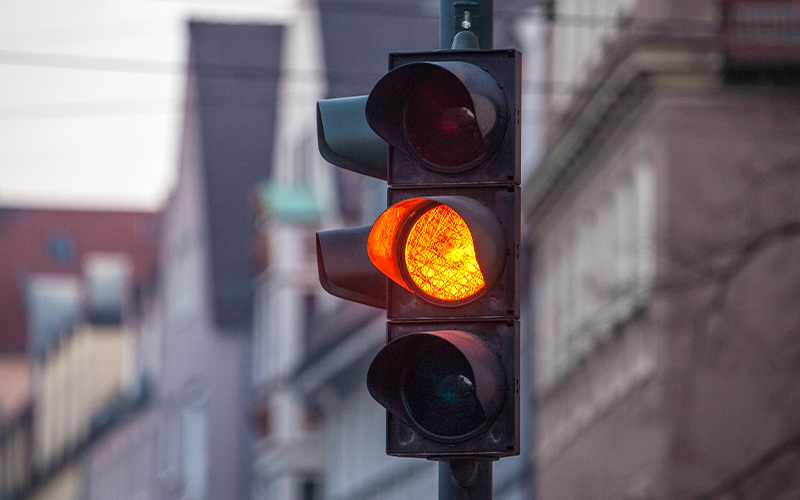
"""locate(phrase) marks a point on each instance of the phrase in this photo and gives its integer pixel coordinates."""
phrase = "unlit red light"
(441, 123)
(440, 256)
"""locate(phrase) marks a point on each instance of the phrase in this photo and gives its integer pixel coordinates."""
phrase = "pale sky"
(91, 96)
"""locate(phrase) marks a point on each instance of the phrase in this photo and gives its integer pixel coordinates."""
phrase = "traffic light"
(448, 244)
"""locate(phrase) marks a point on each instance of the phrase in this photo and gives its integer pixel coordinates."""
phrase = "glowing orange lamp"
(427, 246)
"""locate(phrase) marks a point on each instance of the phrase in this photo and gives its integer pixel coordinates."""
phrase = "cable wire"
(90, 109)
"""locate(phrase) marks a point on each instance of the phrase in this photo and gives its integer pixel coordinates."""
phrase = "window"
(108, 286)
(171, 446)
(309, 490)
(194, 450)
(263, 419)
(595, 266)
(304, 157)
(61, 249)
(312, 418)
(309, 307)
(183, 283)
(53, 304)
(183, 457)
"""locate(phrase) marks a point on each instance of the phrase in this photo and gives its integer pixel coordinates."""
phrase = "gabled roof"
(55, 242)
(359, 35)
(236, 69)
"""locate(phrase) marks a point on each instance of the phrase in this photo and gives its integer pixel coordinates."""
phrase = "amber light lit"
(440, 256)
(381, 243)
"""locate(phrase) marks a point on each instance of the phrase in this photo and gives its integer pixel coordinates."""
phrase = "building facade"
(663, 219)
(293, 202)
(70, 286)
(195, 438)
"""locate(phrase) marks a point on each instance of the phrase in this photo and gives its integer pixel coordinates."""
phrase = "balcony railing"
(761, 33)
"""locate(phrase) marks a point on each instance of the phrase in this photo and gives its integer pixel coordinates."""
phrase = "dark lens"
(441, 123)
(440, 392)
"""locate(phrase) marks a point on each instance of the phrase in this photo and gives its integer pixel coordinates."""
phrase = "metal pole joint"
(462, 21)
(465, 479)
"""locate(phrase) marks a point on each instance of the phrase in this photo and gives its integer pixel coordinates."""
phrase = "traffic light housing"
(447, 249)
(447, 118)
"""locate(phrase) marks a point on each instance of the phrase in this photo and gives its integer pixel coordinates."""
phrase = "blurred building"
(70, 282)
(321, 434)
(302, 454)
(195, 439)
(293, 202)
(126, 366)
(665, 222)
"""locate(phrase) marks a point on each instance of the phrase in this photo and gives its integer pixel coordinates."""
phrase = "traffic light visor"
(345, 269)
(438, 248)
(449, 385)
(451, 115)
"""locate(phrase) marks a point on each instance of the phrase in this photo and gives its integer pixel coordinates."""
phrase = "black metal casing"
(503, 168)
(493, 181)
(501, 438)
(503, 300)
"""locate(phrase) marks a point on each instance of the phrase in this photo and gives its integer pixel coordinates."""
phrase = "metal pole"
(465, 480)
(474, 16)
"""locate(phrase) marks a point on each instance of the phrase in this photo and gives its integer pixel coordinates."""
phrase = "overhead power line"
(157, 67)
(96, 63)
(514, 10)
(35, 111)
